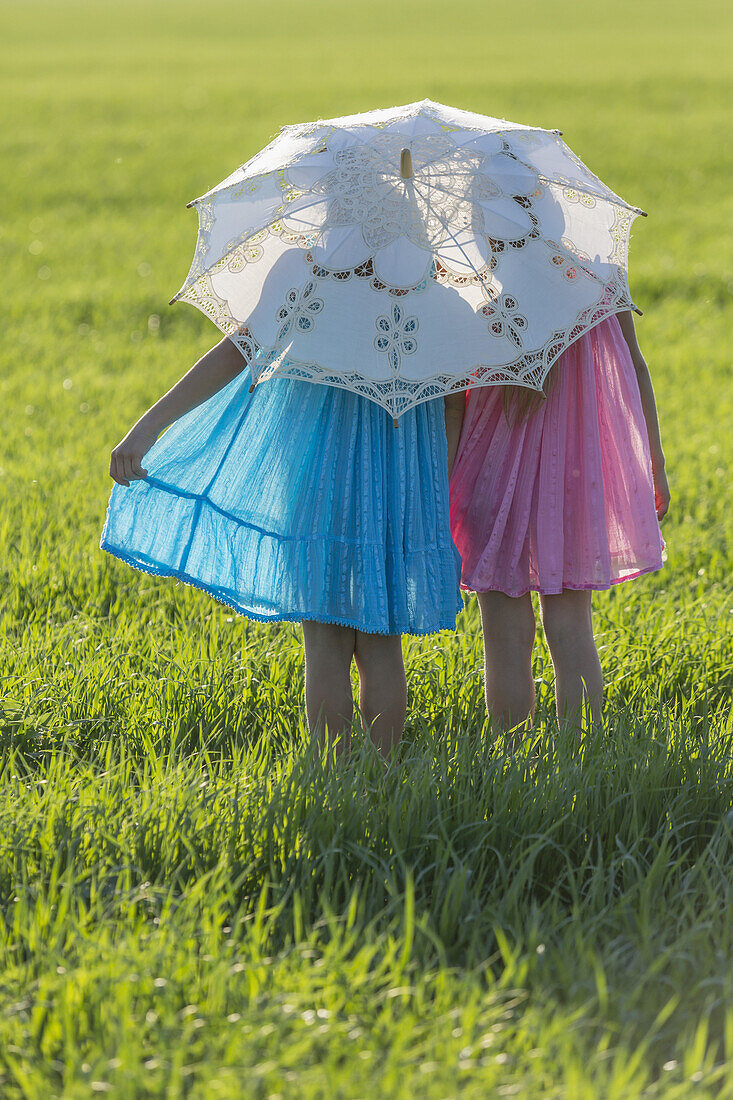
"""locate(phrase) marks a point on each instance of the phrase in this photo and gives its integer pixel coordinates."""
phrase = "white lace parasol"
(408, 252)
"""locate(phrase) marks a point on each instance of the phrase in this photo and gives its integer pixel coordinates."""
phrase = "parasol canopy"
(409, 252)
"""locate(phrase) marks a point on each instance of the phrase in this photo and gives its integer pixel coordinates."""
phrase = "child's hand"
(126, 457)
(661, 491)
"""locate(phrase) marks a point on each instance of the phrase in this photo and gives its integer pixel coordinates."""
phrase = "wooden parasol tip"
(173, 300)
(406, 164)
(637, 310)
(642, 212)
(252, 388)
(394, 421)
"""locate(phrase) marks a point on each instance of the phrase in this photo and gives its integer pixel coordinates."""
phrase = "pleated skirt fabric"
(565, 497)
(299, 501)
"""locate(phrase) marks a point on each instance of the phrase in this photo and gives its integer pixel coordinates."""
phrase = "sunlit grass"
(191, 905)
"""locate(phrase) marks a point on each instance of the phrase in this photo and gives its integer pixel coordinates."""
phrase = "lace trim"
(396, 395)
(245, 248)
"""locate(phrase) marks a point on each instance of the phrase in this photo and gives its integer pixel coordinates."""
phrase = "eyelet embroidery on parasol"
(567, 269)
(582, 197)
(247, 187)
(395, 336)
(620, 236)
(441, 274)
(203, 295)
(583, 257)
(239, 255)
(299, 309)
(504, 318)
(246, 342)
(363, 271)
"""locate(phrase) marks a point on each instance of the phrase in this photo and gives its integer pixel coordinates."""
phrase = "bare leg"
(568, 623)
(508, 627)
(383, 689)
(328, 700)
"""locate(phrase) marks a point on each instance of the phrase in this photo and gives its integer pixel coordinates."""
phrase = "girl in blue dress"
(300, 502)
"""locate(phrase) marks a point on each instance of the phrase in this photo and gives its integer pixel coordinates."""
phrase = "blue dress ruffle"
(299, 501)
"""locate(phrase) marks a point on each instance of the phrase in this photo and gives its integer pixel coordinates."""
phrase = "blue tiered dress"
(299, 501)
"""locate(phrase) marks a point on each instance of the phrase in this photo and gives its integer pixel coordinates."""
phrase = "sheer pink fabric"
(564, 499)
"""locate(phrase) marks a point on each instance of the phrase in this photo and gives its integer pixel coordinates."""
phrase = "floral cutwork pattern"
(239, 255)
(299, 310)
(583, 257)
(562, 264)
(583, 197)
(441, 274)
(362, 271)
(504, 317)
(438, 274)
(620, 236)
(395, 336)
(245, 341)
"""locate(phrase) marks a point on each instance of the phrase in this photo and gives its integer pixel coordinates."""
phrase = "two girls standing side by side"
(303, 502)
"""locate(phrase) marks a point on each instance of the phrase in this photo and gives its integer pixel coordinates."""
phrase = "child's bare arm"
(649, 408)
(455, 404)
(210, 374)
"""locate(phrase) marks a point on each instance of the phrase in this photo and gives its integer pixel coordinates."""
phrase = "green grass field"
(190, 905)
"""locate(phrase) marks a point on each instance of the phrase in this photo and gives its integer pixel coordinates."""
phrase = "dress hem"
(279, 617)
(565, 585)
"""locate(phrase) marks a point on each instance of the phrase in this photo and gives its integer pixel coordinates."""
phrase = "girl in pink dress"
(558, 496)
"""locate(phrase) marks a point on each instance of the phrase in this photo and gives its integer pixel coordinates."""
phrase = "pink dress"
(564, 498)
